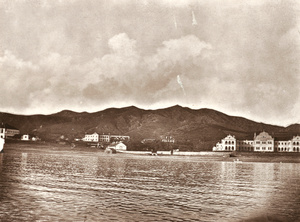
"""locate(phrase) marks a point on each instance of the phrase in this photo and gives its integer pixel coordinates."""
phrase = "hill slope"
(203, 127)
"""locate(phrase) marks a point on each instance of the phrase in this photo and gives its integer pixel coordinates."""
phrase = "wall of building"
(292, 145)
(91, 137)
(11, 132)
(226, 144)
(2, 132)
(261, 143)
(245, 145)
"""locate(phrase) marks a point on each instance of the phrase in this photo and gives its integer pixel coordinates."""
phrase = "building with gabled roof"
(117, 146)
(263, 142)
(226, 144)
(91, 137)
(296, 144)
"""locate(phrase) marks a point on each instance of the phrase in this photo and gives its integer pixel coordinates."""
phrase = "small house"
(117, 146)
(25, 137)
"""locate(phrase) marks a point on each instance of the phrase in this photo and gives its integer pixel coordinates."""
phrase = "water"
(81, 186)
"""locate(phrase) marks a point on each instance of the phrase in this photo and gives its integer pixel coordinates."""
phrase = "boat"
(237, 161)
(233, 154)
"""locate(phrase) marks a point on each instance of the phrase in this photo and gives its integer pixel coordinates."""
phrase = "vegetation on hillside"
(193, 130)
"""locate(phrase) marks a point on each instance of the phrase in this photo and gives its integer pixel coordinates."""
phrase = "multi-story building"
(91, 137)
(95, 137)
(104, 138)
(292, 145)
(10, 131)
(2, 132)
(282, 146)
(263, 142)
(113, 138)
(295, 142)
(245, 145)
(2, 136)
(119, 138)
(226, 144)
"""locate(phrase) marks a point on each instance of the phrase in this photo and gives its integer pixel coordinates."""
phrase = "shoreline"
(239, 157)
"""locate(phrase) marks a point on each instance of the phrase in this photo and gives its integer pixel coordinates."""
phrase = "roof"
(88, 134)
(263, 136)
(115, 144)
(296, 137)
(229, 137)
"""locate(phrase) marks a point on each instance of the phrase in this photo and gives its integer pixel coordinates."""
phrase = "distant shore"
(225, 156)
(239, 157)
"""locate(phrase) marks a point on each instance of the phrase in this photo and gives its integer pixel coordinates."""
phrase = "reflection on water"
(81, 187)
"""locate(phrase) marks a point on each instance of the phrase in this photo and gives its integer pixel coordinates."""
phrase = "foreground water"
(81, 186)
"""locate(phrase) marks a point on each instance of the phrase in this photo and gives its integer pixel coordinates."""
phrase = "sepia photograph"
(150, 110)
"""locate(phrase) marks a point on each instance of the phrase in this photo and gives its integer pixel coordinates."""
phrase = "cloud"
(17, 80)
(241, 58)
(126, 72)
(121, 44)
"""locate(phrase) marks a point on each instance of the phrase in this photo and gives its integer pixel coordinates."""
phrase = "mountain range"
(202, 127)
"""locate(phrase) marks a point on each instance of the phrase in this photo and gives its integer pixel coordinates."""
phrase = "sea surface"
(93, 186)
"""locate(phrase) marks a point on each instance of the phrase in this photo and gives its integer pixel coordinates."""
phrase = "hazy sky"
(238, 57)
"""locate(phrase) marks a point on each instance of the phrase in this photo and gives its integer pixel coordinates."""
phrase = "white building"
(245, 145)
(226, 144)
(25, 137)
(2, 132)
(117, 146)
(263, 143)
(2, 137)
(295, 142)
(111, 138)
(292, 145)
(283, 146)
(91, 137)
